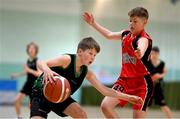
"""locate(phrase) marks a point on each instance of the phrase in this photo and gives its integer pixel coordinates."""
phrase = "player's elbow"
(109, 36)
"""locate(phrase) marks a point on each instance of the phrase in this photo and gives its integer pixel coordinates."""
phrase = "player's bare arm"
(110, 92)
(33, 72)
(159, 75)
(142, 47)
(61, 61)
(19, 74)
(89, 18)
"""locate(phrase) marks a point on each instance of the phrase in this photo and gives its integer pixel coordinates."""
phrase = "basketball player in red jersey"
(134, 77)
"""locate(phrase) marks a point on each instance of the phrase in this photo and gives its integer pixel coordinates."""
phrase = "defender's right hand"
(135, 100)
(49, 76)
(88, 17)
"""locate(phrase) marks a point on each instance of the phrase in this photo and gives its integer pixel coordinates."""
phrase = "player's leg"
(108, 104)
(150, 103)
(167, 111)
(40, 107)
(108, 107)
(75, 111)
(160, 100)
(18, 100)
(144, 91)
(139, 114)
(37, 117)
(21, 95)
(69, 108)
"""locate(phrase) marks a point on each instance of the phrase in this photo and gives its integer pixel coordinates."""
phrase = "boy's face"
(154, 55)
(88, 56)
(32, 51)
(136, 24)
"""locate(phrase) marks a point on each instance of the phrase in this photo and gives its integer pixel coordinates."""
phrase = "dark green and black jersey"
(75, 78)
(156, 69)
(31, 64)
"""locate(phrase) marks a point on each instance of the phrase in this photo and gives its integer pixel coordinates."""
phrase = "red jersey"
(131, 66)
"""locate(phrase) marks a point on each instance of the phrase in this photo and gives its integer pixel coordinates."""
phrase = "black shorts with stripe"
(27, 88)
(40, 106)
(158, 95)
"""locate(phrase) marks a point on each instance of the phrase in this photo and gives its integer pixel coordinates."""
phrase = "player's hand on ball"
(49, 76)
(135, 100)
(88, 17)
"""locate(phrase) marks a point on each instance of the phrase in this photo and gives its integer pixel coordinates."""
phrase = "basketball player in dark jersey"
(32, 73)
(74, 67)
(158, 71)
(134, 77)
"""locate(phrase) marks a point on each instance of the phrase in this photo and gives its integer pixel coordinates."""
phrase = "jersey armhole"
(68, 65)
(124, 34)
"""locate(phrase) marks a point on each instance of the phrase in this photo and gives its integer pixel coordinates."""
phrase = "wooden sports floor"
(93, 112)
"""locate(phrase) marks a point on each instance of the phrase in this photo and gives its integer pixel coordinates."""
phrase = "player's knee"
(17, 100)
(81, 114)
(104, 107)
(84, 115)
(139, 114)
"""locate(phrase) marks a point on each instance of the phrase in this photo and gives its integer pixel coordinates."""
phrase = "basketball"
(57, 91)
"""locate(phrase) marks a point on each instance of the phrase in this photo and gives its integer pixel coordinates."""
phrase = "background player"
(158, 71)
(32, 73)
(136, 47)
(73, 67)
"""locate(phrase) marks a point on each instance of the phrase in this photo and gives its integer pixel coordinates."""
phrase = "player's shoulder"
(65, 60)
(144, 34)
(124, 32)
(162, 62)
(90, 73)
(65, 57)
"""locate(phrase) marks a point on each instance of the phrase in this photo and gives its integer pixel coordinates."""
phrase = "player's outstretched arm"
(110, 92)
(89, 18)
(36, 73)
(18, 74)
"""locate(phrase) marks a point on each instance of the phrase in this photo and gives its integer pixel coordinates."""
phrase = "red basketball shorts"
(139, 86)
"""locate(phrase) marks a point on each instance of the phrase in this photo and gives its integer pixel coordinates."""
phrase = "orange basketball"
(57, 91)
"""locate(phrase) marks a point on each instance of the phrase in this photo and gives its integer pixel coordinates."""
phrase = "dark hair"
(155, 49)
(34, 44)
(139, 12)
(88, 43)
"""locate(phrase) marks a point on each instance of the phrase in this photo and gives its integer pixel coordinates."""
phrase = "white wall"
(53, 26)
(0, 35)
